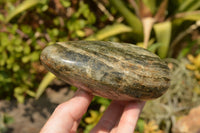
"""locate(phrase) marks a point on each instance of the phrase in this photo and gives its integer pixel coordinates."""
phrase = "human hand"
(118, 118)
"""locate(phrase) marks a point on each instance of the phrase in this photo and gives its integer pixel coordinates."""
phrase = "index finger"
(66, 114)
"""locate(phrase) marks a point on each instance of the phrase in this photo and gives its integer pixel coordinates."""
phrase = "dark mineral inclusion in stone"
(118, 71)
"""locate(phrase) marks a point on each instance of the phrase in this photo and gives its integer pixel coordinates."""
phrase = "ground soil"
(31, 116)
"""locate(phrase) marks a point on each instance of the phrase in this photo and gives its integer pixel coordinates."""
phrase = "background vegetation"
(169, 28)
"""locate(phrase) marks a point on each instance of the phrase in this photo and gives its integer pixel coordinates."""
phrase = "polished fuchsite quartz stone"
(118, 71)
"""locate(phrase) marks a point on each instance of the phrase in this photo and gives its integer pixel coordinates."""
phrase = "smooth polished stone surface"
(118, 71)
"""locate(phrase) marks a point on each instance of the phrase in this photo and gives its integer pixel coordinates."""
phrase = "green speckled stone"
(118, 71)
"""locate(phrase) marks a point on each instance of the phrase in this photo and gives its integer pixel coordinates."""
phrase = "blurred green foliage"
(26, 30)
(5, 120)
(76, 24)
(27, 26)
(17, 74)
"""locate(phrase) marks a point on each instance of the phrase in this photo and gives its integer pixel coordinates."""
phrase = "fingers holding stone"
(129, 117)
(66, 116)
(109, 118)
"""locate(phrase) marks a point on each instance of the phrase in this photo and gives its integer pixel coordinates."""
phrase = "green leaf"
(88, 128)
(27, 49)
(16, 67)
(56, 21)
(3, 58)
(25, 59)
(187, 49)
(154, 47)
(109, 31)
(8, 119)
(163, 36)
(26, 29)
(189, 5)
(18, 93)
(73, 88)
(94, 115)
(31, 93)
(1, 17)
(4, 41)
(103, 101)
(44, 8)
(55, 32)
(10, 60)
(191, 17)
(80, 33)
(22, 7)
(77, 24)
(34, 56)
(83, 9)
(45, 82)
(65, 3)
(140, 125)
(184, 5)
(131, 18)
(194, 6)
(19, 48)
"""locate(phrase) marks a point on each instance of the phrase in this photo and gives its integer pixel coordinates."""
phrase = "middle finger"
(109, 118)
